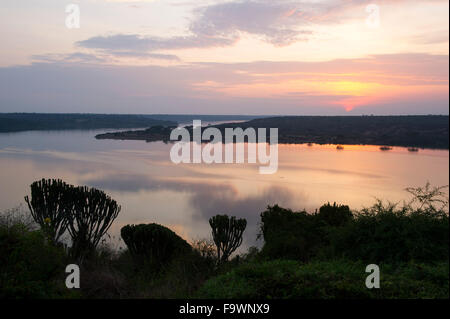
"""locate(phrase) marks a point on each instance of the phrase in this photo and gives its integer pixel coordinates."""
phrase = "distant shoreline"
(20, 122)
(428, 131)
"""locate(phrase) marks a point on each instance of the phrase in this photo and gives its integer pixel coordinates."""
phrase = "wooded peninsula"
(424, 131)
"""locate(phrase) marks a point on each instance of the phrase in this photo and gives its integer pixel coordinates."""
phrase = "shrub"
(290, 235)
(153, 244)
(381, 233)
(30, 267)
(336, 215)
(387, 233)
(227, 234)
(327, 280)
(205, 248)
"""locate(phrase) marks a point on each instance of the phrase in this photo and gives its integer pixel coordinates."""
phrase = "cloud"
(138, 54)
(207, 199)
(76, 57)
(280, 23)
(432, 37)
(403, 81)
(136, 43)
(125, 182)
(274, 22)
(220, 25)
(103, 57)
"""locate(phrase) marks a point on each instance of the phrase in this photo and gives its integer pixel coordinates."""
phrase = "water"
(150, 188)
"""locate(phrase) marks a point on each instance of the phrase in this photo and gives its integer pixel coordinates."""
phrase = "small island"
(152, 134)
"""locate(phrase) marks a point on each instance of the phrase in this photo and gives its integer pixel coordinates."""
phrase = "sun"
(351, 88)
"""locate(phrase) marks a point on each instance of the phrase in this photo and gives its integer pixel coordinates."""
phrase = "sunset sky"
(317, 57)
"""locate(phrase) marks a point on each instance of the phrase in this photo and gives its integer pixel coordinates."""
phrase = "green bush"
(381, 233)
(325, 280)
(153, 244)
(30, 266)
(336, 215)
(391, 234)
(290, 235)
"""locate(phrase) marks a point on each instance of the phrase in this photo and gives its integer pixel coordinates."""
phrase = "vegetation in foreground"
(326, 280)
(304, 255)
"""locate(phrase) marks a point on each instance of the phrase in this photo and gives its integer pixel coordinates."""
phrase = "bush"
(30, 266)
(290, 235)
(391, 234)
(336, 215)
(206, 249)
(324, 280)
(153, 244)
(381, 233)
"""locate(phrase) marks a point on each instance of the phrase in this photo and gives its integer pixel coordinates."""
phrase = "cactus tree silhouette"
(49, 206)
(93, 214)
(227, 234)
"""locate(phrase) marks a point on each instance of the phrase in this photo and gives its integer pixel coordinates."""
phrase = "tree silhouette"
(227, 234)
(91, 217)
(49, 205)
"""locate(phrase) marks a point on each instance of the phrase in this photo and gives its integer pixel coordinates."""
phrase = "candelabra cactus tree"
(49, 205)
(92, 216)
(227, 235)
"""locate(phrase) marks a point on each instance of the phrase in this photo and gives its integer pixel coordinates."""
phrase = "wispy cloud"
(411, 83)
(220, 25)
(133, 43)
(280, 23)
(76, 57)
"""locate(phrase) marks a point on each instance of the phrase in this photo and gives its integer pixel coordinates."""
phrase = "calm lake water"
(150, 188)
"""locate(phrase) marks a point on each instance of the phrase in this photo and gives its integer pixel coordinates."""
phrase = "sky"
(311, 57)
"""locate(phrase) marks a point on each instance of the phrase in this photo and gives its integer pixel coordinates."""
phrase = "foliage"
(336, 215)
(290, 235)
(153, 244)
(318, 255)
(384, 232)
(205, 248)
(327, 279)
(429, 198)
(227, 234)
(180, 278)
(92, 215)
(30, 267)
(49, 205)
(17, 215)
